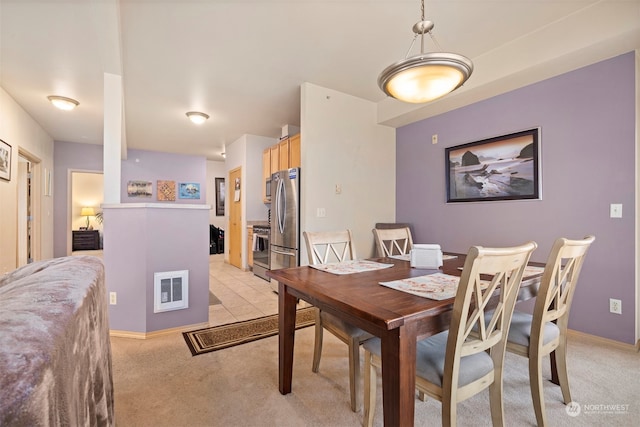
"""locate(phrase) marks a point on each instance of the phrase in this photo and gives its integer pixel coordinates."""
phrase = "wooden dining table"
(398, 318)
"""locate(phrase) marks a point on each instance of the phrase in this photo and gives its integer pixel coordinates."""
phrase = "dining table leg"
(286, 335)
(398, 351)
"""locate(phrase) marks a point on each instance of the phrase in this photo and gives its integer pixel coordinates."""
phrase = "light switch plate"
(616, 210)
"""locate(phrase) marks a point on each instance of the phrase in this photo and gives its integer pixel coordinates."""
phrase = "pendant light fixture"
(426, 76)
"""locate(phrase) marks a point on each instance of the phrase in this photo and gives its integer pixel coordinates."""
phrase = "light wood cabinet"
(275, 158)
(283, 155)
(294, 151)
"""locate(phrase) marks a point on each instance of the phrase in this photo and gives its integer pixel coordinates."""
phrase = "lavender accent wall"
(143, 239)
(153, 166)
(587, 122)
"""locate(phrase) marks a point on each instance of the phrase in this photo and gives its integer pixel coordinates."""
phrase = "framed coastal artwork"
(501, 168)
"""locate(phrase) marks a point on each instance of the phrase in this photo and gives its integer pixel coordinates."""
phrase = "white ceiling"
(243, 61)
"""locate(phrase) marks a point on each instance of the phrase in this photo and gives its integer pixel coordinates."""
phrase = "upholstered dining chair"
(322, 248)
(545, 331)
(456, 364)
(393, 241)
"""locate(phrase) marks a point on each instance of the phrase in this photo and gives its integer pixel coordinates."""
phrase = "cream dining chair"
(456, 364)
(322, 248)
(545, 332)
(393, 241)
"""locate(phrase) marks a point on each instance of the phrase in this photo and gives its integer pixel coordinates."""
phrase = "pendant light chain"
(422, 19)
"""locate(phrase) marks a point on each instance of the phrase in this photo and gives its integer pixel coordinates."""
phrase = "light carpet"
(218, 337)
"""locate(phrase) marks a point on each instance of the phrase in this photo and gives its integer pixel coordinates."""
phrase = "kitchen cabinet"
(275, 158)
(294, 151)
(283, 155)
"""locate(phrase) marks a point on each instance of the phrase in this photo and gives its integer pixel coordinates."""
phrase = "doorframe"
(68, 227)
(36, 188)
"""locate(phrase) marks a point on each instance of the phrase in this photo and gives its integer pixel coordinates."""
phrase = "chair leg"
(354, 373)
(560, 355)
(370, 384)
(317, 347)
(449, 407)
(537, 390)
(495, 399)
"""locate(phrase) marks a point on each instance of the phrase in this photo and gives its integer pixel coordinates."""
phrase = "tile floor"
(243, 295)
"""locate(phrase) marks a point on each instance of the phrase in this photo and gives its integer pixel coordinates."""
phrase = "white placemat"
(351, 267)
(436, 286)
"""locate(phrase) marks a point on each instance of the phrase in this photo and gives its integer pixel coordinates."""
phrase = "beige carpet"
(158, 383)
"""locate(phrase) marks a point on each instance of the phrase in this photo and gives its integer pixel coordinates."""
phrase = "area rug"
(213, 300)
(216, 338)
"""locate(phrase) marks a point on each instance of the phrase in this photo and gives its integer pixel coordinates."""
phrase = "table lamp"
(87, 212)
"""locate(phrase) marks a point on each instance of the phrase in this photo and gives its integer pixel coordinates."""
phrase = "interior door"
(234, 200)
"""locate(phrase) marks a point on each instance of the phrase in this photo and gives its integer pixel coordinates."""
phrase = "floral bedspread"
(55, 353)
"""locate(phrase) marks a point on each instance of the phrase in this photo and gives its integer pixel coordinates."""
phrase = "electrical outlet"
(615, 306)
(113, 298)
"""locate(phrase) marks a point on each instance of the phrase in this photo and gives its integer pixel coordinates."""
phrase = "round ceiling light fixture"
(62, 102)
(197, 117)
(426, 76)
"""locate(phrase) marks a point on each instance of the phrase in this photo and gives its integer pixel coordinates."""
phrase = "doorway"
(28, 205)
(87, 191)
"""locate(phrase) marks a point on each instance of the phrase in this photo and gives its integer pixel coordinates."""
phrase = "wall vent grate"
(171, 290)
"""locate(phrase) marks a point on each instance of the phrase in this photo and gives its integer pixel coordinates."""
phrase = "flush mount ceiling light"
(63, 102)
(426, 76)
(197, 117)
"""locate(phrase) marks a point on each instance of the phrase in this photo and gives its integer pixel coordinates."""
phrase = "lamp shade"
(87, 212)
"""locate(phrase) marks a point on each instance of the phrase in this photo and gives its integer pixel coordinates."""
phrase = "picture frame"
(5, 160)
(220, 196)
(139, 188)
(505, 167)
(189, 190)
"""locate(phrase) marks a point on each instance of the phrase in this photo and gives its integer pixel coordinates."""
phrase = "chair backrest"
(558, 283)
(477, 324)
(329, 246)
(393, 241)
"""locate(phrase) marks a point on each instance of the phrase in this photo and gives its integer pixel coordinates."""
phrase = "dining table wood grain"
(398, 318)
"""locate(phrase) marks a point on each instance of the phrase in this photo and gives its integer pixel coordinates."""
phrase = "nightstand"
(85, 240)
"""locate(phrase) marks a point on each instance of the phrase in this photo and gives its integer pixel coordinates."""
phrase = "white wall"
(246, 152)
(20, 131)
(343, 144)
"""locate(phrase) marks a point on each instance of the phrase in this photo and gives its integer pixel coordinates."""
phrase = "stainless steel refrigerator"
(285, 220)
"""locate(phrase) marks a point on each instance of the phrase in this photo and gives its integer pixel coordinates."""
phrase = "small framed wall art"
(189, 190)
(5, 161)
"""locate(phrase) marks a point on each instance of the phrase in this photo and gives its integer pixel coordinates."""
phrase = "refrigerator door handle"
(275, 251)
(281, 205)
